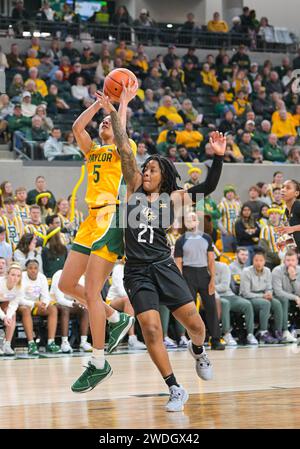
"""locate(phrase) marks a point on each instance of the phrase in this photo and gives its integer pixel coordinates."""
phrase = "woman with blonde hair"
(11, 294)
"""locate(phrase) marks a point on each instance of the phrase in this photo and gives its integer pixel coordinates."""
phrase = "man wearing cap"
(69, 51)
(189, 137)
(230, 209)
(166, 139)
(18, 122)
(145, 26)
(5, 248)
(241, 58)
(194, 177)
(170, 57)
(190, 56)
(216, 25)
(268, 237)
(28, 109)
(88, 60)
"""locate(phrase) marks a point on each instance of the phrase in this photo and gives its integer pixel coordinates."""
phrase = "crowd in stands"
(180, 101)
(253, 274)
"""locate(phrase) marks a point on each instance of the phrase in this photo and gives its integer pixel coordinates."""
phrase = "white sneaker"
(7, 349)
(178, 397)
(229, 340)
(287, 337)
(169, 343)
(134, 343)
(251, 340)
(203, 364)
(86, 347)
(66, 348)
(183, 342)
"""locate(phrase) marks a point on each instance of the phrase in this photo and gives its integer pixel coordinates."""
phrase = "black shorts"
(154, 284)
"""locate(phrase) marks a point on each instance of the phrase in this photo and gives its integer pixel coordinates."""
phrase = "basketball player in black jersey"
(151, 275)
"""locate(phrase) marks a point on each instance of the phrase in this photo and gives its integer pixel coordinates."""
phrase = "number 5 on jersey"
(96, 173)
(144, 228)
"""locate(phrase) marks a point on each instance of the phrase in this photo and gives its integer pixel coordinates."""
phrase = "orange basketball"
(113, 83)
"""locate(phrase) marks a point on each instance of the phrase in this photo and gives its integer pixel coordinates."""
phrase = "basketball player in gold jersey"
(99, 241)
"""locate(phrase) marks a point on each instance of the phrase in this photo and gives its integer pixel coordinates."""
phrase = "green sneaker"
(91, 377)
(33, 348)
(118, 330)
(53, 348)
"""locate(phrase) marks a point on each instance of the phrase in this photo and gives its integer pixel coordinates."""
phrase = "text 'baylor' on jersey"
(145, 230)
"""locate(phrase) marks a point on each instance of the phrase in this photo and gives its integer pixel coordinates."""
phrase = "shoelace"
(175, 394)
(89, 370)
(204, 360)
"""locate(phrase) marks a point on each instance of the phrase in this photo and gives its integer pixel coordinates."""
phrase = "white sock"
(98, 359)
(50, 340)
(83, 339)
(114, 318)
(132, 338)
(30, 341)
(64, 339)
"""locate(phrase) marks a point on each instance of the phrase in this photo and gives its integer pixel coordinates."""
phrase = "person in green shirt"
(36, 97)
(17, 122)
(272, 151)
(209, 207)
(162, 147)
(261, 135)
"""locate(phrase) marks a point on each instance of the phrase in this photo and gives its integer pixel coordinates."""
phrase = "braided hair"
(169, 173)
(297, 187)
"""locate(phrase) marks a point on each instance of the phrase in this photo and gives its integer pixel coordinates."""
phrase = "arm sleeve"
(209, 241)
(211, 181)
(277, 286)
(178, 252)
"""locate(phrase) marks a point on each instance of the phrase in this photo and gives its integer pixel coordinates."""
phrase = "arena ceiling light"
(169, 25)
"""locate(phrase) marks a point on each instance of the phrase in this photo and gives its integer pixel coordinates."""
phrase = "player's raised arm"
(218, 143)
(81, 135)
(131, 173)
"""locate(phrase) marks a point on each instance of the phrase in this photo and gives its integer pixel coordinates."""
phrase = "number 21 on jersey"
(144, 228)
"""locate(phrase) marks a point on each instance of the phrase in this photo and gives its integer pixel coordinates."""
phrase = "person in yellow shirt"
(32, 60)
(284, 126)
(123, 49)
(189, 137)
(99, 240)
(296, 116)
(241, 105)
(41, 86)
(216, 25)
(167, 112)
(209, 77)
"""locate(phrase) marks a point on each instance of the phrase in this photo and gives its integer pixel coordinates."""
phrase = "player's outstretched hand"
(218, 143)
(129, 92)
(105, 102)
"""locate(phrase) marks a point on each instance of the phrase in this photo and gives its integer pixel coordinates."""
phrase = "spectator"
(237, 266)
(55, 51)
(37, 137)
(104, 66)
(166, 139)
(190, 56)
(286, 287)
(32, 60)
(228, 125)
(276, 184)
(54, 255)
(189, 113)
(18, 122)
(63, 86)
(68, 50)
(241, 104)
(22, 209)
(37, 301)
(11, 294)
(70, 146)
(146, 26)
(21, 17)
(36, 97)
(47, 12)
(3, 267)
(256, 285)
(241, 58)
(150, 104)
(283, 127)
(69, 306)
(241, 82)
(229, 208)
(247, 145)
(15, 61)
(6, 190)
(247, 231)
(171, 154)
(185, 156)
(294, 156)
(194, 257)
(79, 91)
(28, 109)
(40, 187)
(54, 149)
(216, 25)
(65, 67)
(88, 61)
(236, 26)
(277, 200)
(174, 82)
(5, 248)
(191, 75)
(189, 137)
(16, 88)
(121, 18)
(262, 133)
(12, 222)
(274, 84)
(272, 151)
(78, 215)
(246, 20)
(28, 248)
(141, 154)
(170, 57)
(167, 111)
(254, 201)
(47, 123)
(123, 49)
(54, 102)
(232, 303)
(6, 106)
(35, 223)
(188, 30)
(209, 77)
(40, 84)
(154, 81)
(232, 153)
(43, 203)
